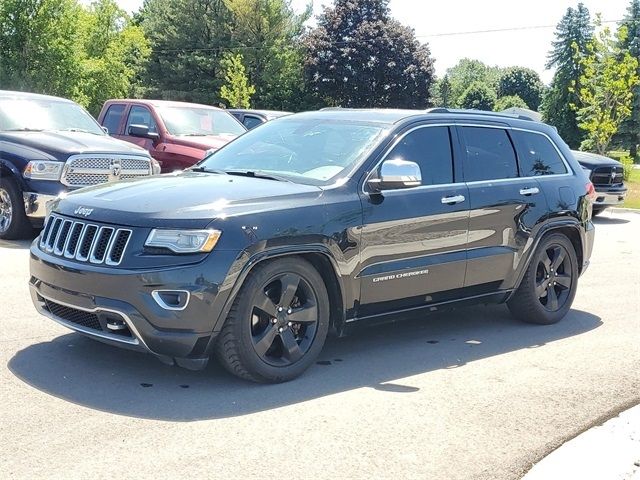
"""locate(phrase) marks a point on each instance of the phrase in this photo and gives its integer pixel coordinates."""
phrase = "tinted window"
(251, 121)
(430, 148)
(537, 155)
(112, 118)
(141, 116)
(490, 155)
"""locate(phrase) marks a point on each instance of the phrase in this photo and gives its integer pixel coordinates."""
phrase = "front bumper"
(608, 197)
(35, 204)
(117, 306)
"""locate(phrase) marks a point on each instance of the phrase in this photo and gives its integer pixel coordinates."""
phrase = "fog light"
(171, 299)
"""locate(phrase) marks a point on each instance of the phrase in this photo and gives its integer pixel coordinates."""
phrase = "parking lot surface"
(468, 394)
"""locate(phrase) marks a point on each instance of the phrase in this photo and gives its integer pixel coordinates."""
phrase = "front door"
(414, 239)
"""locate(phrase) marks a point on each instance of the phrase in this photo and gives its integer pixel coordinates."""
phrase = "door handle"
(452, 200)
(529, 191)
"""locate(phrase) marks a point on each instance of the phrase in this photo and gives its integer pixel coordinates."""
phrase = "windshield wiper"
(258, 174)
(208, 170)
(26, 129)
(72, 129)
(194, 134)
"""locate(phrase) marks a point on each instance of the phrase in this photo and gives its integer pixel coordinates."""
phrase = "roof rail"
(478, 112)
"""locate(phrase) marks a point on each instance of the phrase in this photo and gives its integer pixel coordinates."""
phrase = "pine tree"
(573, 35)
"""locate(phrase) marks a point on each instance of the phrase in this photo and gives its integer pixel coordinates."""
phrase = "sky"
(445, 26)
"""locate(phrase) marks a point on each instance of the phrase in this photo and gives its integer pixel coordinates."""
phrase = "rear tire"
(278, 323)
(549, 285)
(14, 224)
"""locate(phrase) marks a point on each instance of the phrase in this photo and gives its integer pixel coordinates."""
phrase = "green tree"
(573, 35)
(606, 89)
(509, 101)
(467, 72)
(524, 83)
(188, 40)
(441, 92)
(478, 96)
(267, 32)
(39, 45)
(629, 132)
(358, 56)
(236, 90)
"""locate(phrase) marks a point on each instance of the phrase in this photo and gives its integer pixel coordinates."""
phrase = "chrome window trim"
(136, 340)
(388, 150)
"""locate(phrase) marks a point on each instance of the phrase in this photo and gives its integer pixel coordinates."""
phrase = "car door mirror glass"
(395, 174)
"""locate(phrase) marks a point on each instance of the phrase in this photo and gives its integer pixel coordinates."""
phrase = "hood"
(188, 199)
(204, 143)
(61, 145)
(591, 160)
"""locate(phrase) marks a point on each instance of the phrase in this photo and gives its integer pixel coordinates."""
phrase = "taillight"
(591, 192)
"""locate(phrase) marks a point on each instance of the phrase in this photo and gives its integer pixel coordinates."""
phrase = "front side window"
(430, 148)
(113, 117)
(537, 155)
(141, 116)
(199, 121)
(311, 151)
(45, 115)
(489, 154)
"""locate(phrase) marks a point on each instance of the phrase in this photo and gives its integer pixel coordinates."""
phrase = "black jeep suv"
(312, 223)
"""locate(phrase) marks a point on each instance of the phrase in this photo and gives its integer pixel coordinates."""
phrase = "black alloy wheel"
(554, 278)
(278, 322)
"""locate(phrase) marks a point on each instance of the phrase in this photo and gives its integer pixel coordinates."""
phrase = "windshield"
(199, 121)
(309, 150)
(45, 114)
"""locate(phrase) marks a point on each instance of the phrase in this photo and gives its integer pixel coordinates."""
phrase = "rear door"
(414, 239)
(504, 207)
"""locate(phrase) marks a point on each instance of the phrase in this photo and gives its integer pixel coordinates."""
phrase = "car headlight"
(43, 170)
(184, 241)
(155, 167)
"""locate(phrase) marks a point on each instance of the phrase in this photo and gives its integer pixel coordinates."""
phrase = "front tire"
(597, 211)
(549, 285)
(278, 323)
(14, 223)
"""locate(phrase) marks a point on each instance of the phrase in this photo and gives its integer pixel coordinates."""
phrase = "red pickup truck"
(176, 134)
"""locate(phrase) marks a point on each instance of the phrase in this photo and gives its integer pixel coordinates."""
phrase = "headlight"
(155, 167)
(43, 170)
(184, 241)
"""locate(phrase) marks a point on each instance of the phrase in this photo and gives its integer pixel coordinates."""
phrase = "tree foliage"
(523, 83)
(509, 101)
(478, 96)
(606, 89)
(236, 90)
(358, 56)
(573, 35)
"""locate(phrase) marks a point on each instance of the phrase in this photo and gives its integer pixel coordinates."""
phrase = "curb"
(623, 210)
(607, 451)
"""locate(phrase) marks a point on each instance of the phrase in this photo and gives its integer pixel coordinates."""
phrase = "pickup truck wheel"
(14, 223)
(549, 284)
(278, 322)
(597, 211)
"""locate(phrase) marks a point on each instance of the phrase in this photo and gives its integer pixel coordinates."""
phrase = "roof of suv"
(31, 96)
(393, 116)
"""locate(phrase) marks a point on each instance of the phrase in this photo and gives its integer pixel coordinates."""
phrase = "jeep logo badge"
(85, 212)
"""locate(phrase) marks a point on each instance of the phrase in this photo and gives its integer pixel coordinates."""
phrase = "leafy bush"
(627, 164)
(508, 102)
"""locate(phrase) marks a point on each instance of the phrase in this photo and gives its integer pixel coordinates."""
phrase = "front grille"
(83, 171)
(607, 176)
(73, 315)
(83, 241)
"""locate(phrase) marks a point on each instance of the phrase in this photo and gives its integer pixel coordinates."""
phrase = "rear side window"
(251, 121)
(537, 155)
(141, 116)
(113, 117)
(489, 154)
(430, 148)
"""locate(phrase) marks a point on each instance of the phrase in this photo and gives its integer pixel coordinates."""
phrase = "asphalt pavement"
(470, 394)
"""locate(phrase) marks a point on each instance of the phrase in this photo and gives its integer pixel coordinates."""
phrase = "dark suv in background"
(50, 146)
(314, 223)
(607, 176)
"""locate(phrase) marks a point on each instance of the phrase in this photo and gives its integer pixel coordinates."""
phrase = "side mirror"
(142, 131)
(395, 174)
